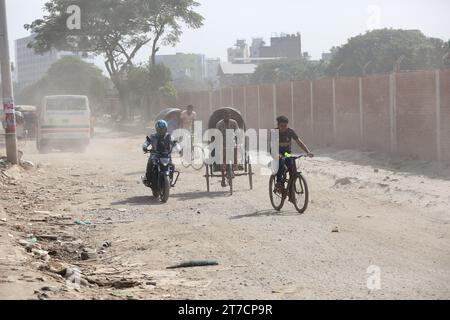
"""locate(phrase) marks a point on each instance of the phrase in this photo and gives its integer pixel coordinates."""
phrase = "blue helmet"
(161, 127)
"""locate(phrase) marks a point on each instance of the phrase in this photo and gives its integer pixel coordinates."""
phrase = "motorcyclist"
(161, 142)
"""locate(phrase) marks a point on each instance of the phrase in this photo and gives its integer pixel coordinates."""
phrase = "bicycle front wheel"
(277, 197)
(300, 193)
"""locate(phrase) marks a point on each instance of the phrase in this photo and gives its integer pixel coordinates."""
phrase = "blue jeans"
(290, 163)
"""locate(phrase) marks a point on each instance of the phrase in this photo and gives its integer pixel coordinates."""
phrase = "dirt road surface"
(392, 216)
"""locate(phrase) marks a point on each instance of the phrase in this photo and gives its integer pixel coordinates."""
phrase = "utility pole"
(398, 63)
(7, 89)
(364, 72)
(338, 70)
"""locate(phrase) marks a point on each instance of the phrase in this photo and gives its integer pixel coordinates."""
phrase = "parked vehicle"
(64, 122)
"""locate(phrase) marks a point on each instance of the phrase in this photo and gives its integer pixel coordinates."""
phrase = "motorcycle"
(164, 176)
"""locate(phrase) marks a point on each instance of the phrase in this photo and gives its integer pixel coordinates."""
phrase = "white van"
(64, 122)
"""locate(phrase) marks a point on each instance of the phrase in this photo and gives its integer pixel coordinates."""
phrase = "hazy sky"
(323, 24)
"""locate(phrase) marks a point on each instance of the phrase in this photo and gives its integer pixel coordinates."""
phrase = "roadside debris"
(27, 165)
(42, 212)
(194, 263)
(29, 244)
(335, 229)
(55, 267)
(83, 223)
(343, 182)
(42, 254)
(88, 254)
(107, 244)
(47, 238)
(116, 284)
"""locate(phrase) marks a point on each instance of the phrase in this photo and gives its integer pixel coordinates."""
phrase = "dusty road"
(391, 214)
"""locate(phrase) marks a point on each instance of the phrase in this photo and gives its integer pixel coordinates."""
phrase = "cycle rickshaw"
(173, 118)
(240, 167)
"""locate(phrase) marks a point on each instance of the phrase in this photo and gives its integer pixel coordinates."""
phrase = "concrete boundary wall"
(405, 113)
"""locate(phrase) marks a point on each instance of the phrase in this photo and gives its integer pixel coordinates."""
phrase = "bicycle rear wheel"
(277, 198)
(300, 193)
(230, 177)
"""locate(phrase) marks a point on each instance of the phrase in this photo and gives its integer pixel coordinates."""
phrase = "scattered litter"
(376, 170)
(42, 254)
(107, 244)
(29, 244)
(83, 223)
(335, 229)
(42, 212)
(46, 288)
(42, 296)
(27, 165)
(3, 163)
(194, 263)
(116, 284)
(47, 237)
(88, 254)
(239, 266)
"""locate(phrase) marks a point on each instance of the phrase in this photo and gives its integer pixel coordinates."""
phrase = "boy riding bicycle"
(286, 135)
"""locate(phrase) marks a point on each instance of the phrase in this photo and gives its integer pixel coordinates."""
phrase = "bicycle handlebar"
(295, 157)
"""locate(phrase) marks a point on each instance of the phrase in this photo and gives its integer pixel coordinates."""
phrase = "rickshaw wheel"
(207, 178)
(250, 175)
(230, 177)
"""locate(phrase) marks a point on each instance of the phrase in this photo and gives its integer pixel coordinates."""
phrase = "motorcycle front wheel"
(164, 188)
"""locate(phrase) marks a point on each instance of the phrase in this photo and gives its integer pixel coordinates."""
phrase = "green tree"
(114, 29)
(164, 19)
(286, 70)
(69, 75)
(380, 49)
(148, 84)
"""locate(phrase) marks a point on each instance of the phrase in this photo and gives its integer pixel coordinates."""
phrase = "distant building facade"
(239, 51)
(328, 56)
(282, 46)
(31, 67)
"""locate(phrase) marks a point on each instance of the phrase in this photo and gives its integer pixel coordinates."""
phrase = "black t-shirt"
(286, 140)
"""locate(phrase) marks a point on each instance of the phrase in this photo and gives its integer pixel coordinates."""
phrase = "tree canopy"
(69, 75)
(378, 50)
(286, 70)
(115, 29)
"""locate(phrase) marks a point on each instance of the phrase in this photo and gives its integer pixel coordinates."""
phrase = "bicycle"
(296, 188)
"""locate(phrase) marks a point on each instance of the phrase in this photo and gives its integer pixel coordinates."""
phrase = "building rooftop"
(234, 68)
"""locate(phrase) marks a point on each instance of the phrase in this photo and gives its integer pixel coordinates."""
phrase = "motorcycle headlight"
(165, 161)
